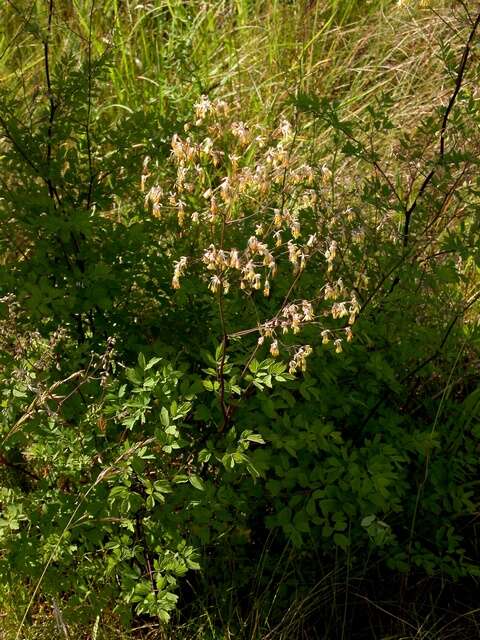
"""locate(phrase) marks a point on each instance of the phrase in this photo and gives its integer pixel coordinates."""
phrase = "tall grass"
(166, 53)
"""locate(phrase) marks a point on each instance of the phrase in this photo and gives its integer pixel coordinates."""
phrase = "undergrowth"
(239, 319)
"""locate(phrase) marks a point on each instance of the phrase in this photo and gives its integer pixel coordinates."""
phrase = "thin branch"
(19, 149)
(26, 20)
(472, 300)
(458, 84)
(89, 110)
(16, 466)
(443, 131)
(221, 368)
(53, 105)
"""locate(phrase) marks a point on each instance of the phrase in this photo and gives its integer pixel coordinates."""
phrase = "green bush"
(215, 332)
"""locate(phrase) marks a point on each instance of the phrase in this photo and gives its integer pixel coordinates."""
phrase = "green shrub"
(216, 333)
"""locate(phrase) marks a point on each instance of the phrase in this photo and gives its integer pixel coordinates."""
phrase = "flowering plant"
(247, 204)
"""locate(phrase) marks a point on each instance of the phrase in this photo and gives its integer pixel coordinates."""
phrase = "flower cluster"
(299, 360)
(231, 181)
(154, 199)
(180, 267)
(291, 318)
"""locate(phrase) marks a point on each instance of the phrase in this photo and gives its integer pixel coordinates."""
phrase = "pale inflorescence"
(231, 177)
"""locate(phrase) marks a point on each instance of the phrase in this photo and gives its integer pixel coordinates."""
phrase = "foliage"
(227, 339)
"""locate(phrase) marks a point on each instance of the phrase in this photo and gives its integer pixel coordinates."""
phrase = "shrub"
(230, 331)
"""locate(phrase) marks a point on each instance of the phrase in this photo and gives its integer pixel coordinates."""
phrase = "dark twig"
(16, 466)
(221, 368)
(443, 131)
(458, 84)
(51, 98)
(89, 110)
(410, 374)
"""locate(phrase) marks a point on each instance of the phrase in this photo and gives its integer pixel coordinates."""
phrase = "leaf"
(130, 422)
(152, 363)
(252, 470)
(172, 430)
(164, 417)
(268, 406)
(141, 361)
(284, 516)
(300, 522)
(255, 437)
(196, 482)
(277, 368)
(204, 456)
(368, 520)
(132, 375)
(219, 352)
(162, 486)
(254, 366)
(180, 478)
(341, 540)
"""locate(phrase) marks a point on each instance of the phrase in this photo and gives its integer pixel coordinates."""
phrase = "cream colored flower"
(215, 284)
(274, 349)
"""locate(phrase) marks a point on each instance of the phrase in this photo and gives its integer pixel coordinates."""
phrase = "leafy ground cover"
(239, 319)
